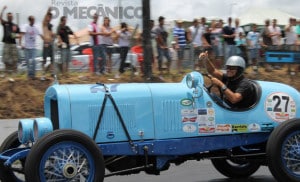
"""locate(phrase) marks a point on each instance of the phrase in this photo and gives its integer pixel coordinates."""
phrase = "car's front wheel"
(65, 155)
(235, 168)
(283, 151)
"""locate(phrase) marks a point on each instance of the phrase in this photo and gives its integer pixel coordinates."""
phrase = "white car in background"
(79, 61)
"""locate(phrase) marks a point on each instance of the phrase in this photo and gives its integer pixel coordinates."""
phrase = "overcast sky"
(171, 9)
(189, 9)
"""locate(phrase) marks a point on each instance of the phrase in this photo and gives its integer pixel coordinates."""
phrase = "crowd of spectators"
(221, 40)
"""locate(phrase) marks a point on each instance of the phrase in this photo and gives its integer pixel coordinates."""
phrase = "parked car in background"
(81, 60)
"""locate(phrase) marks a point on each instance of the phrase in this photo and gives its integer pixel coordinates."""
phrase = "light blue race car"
(132, 127)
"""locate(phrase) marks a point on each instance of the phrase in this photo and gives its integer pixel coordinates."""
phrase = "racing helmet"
(236, 61)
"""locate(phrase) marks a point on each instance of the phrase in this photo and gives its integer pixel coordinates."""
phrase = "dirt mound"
(24, 98)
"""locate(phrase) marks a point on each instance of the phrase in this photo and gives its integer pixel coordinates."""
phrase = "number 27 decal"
(278, 100)
(280, 106)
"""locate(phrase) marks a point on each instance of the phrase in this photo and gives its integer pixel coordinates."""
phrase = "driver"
(238, 91)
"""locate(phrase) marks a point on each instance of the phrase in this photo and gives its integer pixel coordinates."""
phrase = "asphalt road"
(191, 171)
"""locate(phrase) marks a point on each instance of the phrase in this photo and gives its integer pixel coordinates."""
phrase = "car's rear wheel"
(65, 155)
(16, 171)
(283, 151)
(235, 168)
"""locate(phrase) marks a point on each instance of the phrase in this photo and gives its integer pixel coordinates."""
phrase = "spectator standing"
(63, 33)
(253, 42)
(197, 40)
(10, 34)
(180, 43)
(291, 37)
(124, 37)
(106, 42)
(30, 33)
(266, 42)
(162, 45)
(241, 44)
(98, 52)
(229, 36)
(48, 43)
(216, 42)
(238, 29)
(275, 33)
(266, 34)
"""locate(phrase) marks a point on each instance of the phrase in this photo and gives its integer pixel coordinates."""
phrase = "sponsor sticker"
(254, 127)
(223, 128)
(239, 128)
(186, 102)
(188, 115)
(280, 106)
(206, 128)
(189, 128)
(206, 120)
(202, 111)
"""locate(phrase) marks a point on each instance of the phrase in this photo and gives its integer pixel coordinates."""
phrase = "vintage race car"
(92, 131)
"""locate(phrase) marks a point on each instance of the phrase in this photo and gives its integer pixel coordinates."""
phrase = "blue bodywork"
(166, 116)
(165, 120)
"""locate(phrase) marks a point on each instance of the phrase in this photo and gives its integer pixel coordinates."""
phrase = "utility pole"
(147, 40)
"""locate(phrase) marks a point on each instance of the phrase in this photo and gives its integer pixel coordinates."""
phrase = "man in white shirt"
(275, 33)
(290, 34)
(30, 33)
(291, 37)
(197, 40)
(238, 29)
(98, 51)
(253, 41)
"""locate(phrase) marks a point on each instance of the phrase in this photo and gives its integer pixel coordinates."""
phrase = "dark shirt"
(64, 32)
(266, 39)
(10, 29)
(161, 32)
(229, 31)
(208, 36)
(243, 86)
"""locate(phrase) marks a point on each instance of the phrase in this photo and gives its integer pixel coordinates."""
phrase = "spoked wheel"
(65, 155)
(16, 171)
(283, 151)
(235, 168)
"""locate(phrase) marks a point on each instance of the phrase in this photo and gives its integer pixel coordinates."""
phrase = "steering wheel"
(210, 86)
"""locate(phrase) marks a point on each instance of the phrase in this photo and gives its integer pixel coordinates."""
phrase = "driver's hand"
(217, 82)
(203, 55)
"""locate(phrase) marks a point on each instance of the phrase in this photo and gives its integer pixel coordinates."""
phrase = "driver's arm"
(232, 97)
(210, 66)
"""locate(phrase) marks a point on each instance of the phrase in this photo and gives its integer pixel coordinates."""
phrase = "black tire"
(7, 174)
(235, 168)
(69, 154)
(283, 153)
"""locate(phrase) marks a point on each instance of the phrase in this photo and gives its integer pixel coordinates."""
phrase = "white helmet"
(236, 61)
